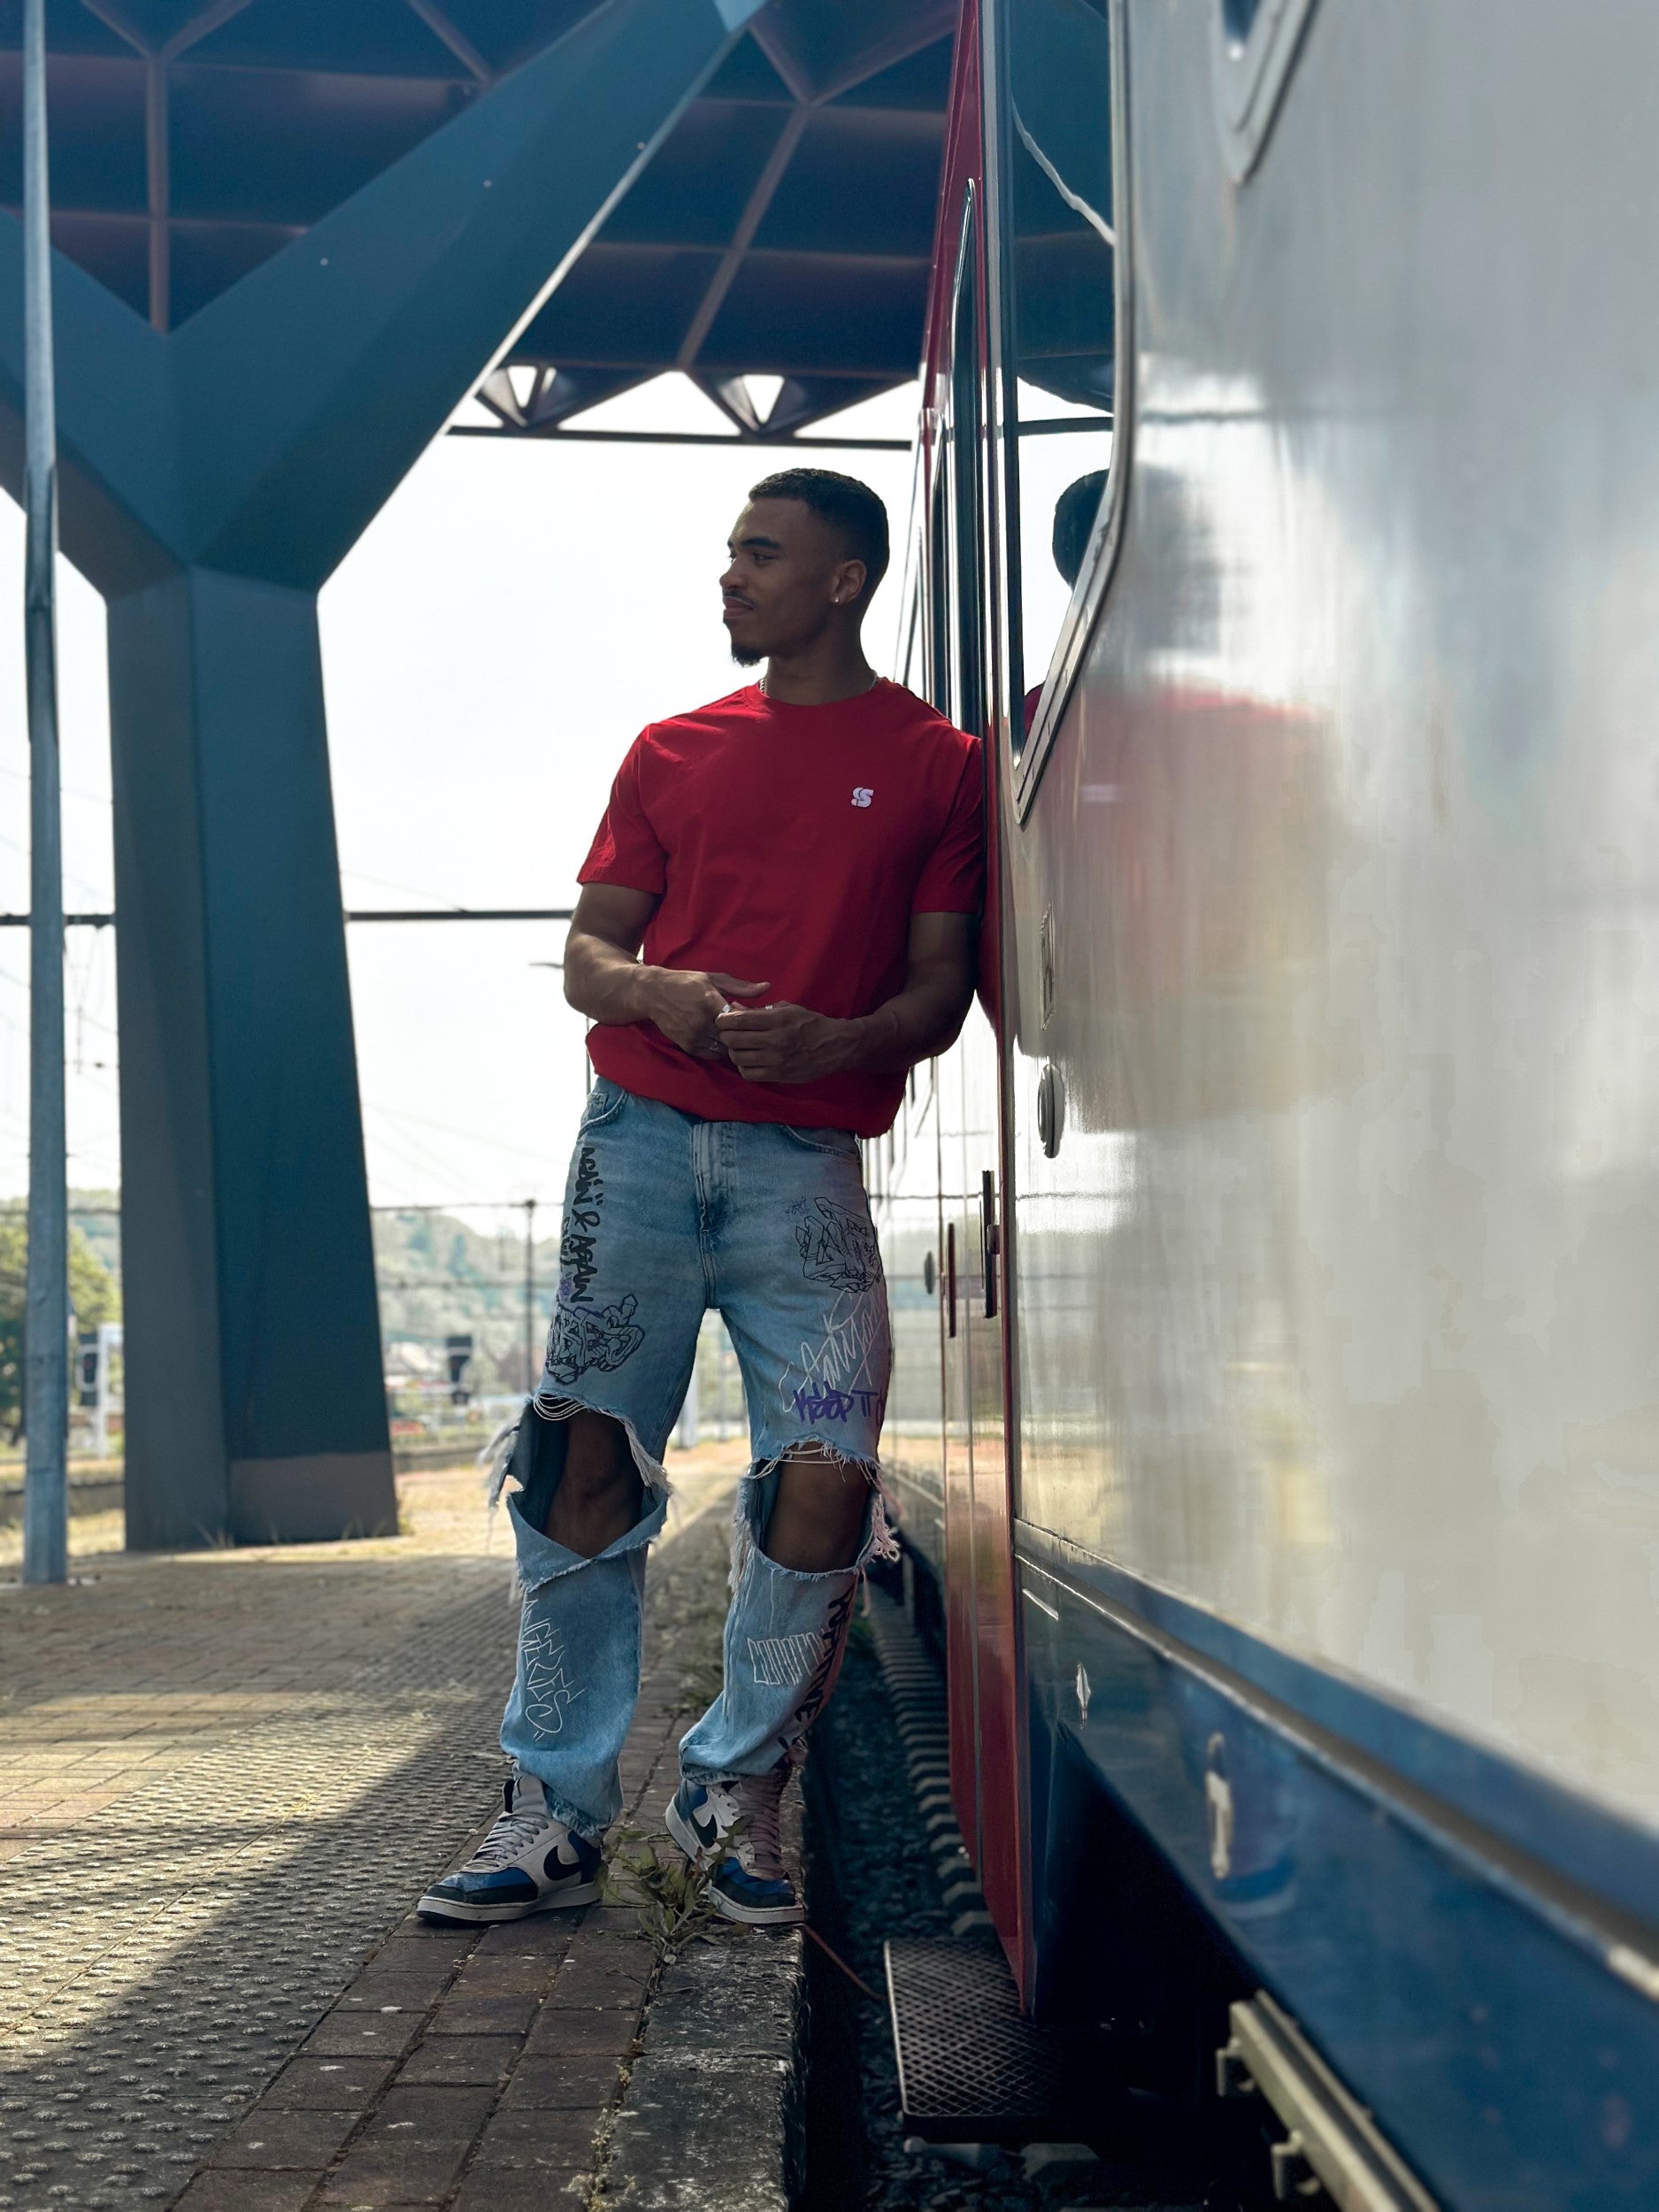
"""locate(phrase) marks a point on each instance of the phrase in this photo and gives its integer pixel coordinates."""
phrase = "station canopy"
(782, 231)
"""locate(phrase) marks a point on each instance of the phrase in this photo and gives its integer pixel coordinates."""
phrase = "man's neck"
(830, 669)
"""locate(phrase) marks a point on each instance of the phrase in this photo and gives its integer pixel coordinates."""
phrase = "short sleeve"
(625, 850)
(952, 880)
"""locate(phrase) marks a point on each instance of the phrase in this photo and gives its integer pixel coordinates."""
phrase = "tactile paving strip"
(319, 1741)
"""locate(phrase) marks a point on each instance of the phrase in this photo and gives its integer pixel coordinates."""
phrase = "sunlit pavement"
(224, 1777)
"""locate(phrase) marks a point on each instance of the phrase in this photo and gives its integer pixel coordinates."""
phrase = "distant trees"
(92, 1293)
(439, 1275)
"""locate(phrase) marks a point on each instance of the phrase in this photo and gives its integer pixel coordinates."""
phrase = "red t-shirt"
(791, 843)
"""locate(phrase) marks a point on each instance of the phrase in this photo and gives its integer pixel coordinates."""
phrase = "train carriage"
(1277, 1406)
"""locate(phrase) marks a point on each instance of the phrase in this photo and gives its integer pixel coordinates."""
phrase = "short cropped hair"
(1074, 517)
(850, 507)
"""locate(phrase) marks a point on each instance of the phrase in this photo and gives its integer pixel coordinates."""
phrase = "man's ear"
(848, 583)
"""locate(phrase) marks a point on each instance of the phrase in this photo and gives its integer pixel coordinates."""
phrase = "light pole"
(46, 1322)
(529, 1297)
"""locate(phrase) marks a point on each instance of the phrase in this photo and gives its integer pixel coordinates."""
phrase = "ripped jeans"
(665, 1215)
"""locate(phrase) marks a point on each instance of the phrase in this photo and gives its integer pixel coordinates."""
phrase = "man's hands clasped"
(765, 1044)
(686, 1003)
(784, 1043)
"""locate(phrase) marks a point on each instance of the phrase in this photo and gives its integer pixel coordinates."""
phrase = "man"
(801, 862)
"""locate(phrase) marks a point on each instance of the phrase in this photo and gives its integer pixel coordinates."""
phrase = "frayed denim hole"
(751, 1509)
(541, 1560)
(757, 1493)
(535, 1497)
(652, 1473)
(533, 1510)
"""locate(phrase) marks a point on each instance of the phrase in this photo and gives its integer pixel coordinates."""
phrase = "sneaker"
(751, 1881)
(529, 1863)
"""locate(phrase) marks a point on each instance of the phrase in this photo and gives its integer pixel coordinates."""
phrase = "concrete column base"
(314, 1500)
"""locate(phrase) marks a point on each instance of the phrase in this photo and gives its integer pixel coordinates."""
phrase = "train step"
(972, 2069)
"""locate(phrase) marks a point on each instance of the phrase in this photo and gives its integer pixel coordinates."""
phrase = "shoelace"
(759, 1801)
(512, 1834)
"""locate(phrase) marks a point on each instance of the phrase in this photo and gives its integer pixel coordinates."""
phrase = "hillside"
(440, 1276)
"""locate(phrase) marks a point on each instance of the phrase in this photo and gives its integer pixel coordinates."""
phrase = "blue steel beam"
(213, 478)
(266, 432)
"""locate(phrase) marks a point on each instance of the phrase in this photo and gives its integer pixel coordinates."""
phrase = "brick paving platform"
(223, 1780)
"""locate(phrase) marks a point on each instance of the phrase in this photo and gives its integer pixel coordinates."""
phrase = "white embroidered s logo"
(862, 795)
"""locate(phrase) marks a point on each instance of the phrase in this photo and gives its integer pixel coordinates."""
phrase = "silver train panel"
(902, 1171)
(1337, 1310)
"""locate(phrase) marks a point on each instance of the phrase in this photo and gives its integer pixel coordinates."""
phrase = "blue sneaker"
(529, 1863)
(736, 1823)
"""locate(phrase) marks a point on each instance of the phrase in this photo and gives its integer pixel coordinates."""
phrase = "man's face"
(789, 578)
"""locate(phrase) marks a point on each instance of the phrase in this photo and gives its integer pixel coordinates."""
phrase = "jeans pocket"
(605, 1101)
(839, 1143)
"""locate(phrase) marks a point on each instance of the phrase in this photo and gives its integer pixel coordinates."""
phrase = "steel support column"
(241, 1120)
(212, 478)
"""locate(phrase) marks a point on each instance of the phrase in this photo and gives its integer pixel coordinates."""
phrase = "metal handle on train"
(1293, 2175)
(990, 1239)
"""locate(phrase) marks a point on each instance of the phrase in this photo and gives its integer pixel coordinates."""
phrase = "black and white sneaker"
(529, 1863)
(738, 1820)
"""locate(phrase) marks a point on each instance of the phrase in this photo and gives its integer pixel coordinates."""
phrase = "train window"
(1058, 250)
(967, 705)
(913, 670)
(938, 601)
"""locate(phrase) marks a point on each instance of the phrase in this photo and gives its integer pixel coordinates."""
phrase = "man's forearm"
(602, 981)
(921, 1020)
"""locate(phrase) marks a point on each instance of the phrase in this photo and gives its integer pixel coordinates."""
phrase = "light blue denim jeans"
(665, 1215)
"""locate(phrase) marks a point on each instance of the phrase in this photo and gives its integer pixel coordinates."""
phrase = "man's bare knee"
(600, 1492)
(598, 1458)
(816, 1522)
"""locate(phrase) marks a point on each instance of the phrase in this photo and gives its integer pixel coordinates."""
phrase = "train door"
(945, 523)
(903, 1172)
(1052, 328)
(984, 1692)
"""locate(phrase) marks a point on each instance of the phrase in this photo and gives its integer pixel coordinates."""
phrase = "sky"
(509, 622)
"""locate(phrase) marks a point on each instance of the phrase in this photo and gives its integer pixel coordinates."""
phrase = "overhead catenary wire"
(496, 1207)
(444, 1129)
(68, 875)
(399, 1144)
(102, 920)
(69, 790)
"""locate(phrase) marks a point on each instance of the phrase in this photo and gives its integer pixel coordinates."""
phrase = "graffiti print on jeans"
(817, 1403)
(830, 1642)
(580, 1340)
(583, 1337)
(546, 1693)
(838, 1248)
(782, 1661)
(578, 1260)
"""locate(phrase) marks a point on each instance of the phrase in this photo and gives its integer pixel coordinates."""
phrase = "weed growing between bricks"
(671, 1900)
